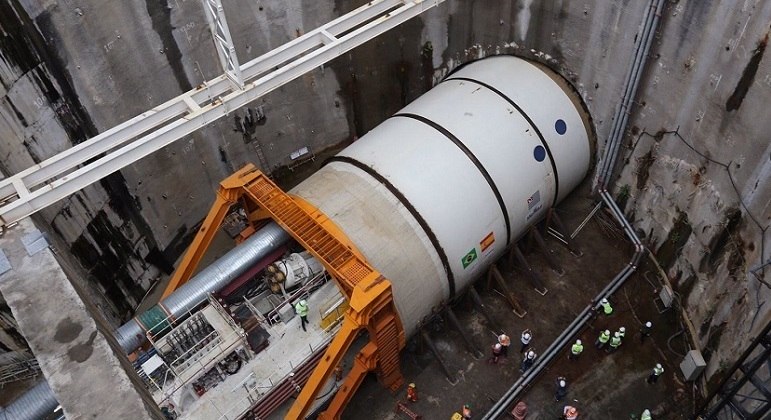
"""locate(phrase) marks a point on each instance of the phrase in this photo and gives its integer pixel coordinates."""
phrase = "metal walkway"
(745, 393)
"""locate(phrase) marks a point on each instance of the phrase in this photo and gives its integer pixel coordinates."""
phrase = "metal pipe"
(632, 84)
(578, 323)
(650, 26)
(37, 403)
(624, 101)
(211, 279)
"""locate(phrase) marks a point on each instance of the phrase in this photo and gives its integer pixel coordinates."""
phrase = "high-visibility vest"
(456, 416)
(301, 310)
(577, 349)
(607, 308)
(604, 337)
(615, 342)
(646, 417)
(657, 371)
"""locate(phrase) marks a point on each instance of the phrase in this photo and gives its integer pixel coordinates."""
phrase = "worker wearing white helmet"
(622, 332)
(525, 338)
(603, 339)
(606, 308)
(302, 310)
(562, 388)
(505, 342)
(654, 376)
(645, 331)
(497, 349)
(615, 341)
(528, 361)
(576, 350)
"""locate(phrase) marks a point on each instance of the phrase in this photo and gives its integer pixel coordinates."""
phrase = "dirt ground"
(600, 385)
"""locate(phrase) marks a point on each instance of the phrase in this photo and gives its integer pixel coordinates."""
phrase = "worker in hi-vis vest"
(606, 308)
(603, 339)
(615, 342)
(301, 308)
(576, 350)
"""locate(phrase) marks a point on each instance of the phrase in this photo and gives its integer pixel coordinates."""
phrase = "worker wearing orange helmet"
(412, 393)
(570, 413)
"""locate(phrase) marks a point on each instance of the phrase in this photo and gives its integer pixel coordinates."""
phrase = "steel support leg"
(551, 259)
(494, 274)
(566, 235)
(435, 351)
(482, 308)
(535, 279)
(466, 340)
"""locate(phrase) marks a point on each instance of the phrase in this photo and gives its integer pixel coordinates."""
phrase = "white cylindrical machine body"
(436, 193)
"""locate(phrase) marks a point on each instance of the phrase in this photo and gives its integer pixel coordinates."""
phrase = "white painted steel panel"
(440, 181)
(545, 102)
(406, 181)
(504, 148)
(385, 232)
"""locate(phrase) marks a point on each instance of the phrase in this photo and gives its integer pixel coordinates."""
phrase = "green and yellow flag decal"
(470, 257)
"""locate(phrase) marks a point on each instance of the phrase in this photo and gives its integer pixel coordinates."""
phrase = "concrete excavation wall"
(72, 69)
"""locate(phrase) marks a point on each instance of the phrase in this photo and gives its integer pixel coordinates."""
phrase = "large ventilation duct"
(211, 279)
(436, 193)
(37, 403)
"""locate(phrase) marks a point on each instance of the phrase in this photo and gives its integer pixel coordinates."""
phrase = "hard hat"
(604, 301)
(563, 384)
(622, 329)
(578, 342)
(616, 334)
(658, 365)
(527, 335)
(607, 332)
(530, 354)
(497, 346)
(648, 324)
(411, 385)
(646, 412)
(572, 411)
(303, 302)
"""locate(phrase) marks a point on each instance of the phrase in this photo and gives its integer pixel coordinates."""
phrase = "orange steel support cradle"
(368, 292)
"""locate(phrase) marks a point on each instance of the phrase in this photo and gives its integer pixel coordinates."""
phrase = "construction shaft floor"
(601, 385)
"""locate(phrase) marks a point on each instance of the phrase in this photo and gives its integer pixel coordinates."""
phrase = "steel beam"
(67, 172)
(215, 15)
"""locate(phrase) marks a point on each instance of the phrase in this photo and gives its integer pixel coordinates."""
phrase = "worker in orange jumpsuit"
(570, 413)
(412, 393)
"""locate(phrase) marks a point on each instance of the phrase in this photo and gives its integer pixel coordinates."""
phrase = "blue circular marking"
(539, 153)
(561, 127)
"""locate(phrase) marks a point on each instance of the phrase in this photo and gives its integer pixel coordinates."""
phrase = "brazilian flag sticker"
(470, 257)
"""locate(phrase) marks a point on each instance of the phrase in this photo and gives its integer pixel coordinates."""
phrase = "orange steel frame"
(371, 304)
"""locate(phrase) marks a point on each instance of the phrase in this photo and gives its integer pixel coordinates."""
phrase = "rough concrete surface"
(700, 196)
(76, 359)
